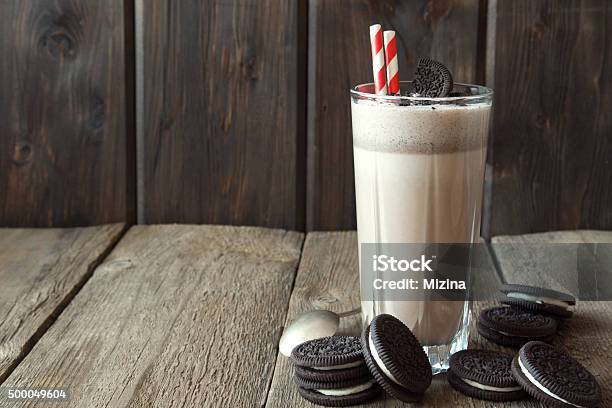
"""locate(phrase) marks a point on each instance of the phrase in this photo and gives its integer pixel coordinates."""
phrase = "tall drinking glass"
(419, 170)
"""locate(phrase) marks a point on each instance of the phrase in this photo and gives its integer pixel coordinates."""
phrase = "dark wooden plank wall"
(339, 58)
(223, 113)
(224, 107)
(552, 127)
(66, 113)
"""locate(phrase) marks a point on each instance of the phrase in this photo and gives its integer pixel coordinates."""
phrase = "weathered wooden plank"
(328, 278)
(41, 270)
(66, 112)
(588, 335)
(552, 127)
(223, 113)
(176, 316)
(340, 58)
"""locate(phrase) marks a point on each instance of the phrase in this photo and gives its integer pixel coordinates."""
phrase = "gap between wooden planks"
(176, 315)
(41, 270)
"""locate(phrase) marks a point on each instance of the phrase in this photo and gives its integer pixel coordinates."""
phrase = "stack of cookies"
(528, 321)
(540, 370)
(331, 371)
(344, 370)
(529, 314)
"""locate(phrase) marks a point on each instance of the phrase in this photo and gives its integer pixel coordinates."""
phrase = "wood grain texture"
(223, 113)
(578, 262)
(552, 124)
(339, 58)
(176, 316)
(66, 112)
(588, 335)
(328, 278)
(41, 271)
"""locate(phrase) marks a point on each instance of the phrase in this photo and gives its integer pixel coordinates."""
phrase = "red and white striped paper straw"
(393, 84)
(378, 59)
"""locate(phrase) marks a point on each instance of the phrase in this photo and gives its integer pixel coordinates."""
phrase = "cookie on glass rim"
(432, 79)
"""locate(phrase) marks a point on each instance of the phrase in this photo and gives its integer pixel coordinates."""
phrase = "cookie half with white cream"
(340, 398)
(338, 393)
(484, 374)
(396, 358)
(539, 300)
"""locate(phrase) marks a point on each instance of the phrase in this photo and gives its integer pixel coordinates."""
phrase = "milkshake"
(419, 169)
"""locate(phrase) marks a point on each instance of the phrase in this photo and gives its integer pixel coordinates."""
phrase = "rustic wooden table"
(190, 316)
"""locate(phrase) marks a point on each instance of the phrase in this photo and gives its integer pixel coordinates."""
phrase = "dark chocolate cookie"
(340, 400)
(513, 327)
(432, 79)
(555, 378)
(396, 358)
(540, 300)
(504, 339)
(311, 374)
(484, 374)
(334, 352)
(393, 389)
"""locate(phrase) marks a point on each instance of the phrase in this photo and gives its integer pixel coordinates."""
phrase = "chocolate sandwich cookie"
(432, 79)
(484, 374)
(312, 374)
(329, 353)
(396, 358)
(512, 327)
(540, 300)
(554, 378)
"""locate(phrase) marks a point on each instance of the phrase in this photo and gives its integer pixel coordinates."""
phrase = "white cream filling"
(511, 335)
(539, 299)
(488, 387)
(347, 391)
(541, 387)
(341, 366)
(379, 362)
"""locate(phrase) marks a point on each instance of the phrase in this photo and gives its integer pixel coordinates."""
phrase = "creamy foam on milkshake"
(418, 176)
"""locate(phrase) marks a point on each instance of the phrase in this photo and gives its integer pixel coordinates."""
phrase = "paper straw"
(378, 59)
(393, 84)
